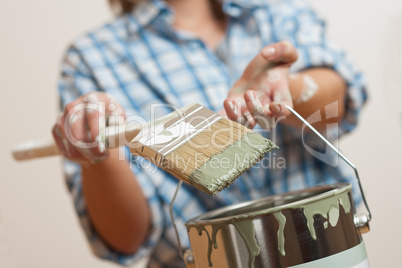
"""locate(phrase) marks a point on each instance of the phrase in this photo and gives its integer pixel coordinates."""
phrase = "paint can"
(311, 228)
(316, 227)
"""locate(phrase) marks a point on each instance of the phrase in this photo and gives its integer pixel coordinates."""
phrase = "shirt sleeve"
(296, 22)
(76, 80)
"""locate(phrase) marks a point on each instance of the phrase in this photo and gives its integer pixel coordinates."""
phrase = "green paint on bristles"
(225, 167)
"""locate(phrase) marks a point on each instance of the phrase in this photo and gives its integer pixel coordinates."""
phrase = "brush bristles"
(213, 159)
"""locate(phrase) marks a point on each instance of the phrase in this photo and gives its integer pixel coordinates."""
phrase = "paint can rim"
(293, 200)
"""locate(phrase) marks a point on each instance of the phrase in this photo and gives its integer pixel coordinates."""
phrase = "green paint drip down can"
(312, 228)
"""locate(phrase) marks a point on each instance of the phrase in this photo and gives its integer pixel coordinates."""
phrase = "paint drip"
(246, 230)
(329, 209)
(281, 234)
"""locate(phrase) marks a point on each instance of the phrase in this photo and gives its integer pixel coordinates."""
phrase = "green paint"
(333, 216)
(201, 228)
(247, 232)
(328, 208)
(223, 168)
(281, 235)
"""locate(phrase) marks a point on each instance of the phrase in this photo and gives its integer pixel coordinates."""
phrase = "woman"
(247, 57)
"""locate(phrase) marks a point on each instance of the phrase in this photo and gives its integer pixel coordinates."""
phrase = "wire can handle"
(361, 220)
(185, 254)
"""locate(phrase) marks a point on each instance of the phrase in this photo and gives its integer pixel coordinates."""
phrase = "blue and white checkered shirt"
(141, 60)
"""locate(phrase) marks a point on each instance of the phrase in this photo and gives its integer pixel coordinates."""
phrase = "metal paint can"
(316, 227)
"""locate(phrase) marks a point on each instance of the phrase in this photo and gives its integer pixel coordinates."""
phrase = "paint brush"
(193, 143)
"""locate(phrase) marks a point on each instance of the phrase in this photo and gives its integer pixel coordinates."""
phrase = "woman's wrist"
(102, 162)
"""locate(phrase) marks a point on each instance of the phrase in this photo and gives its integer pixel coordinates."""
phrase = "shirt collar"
(235, 8)
(148, 12)
(249, 4)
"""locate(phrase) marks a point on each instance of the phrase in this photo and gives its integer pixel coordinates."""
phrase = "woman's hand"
(80, 130)
(262, 91)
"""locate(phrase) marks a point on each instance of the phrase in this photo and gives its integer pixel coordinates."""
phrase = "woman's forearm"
(331, 90)
(116, 204)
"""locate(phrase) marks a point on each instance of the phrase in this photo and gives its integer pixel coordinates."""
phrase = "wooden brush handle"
(115, 136)
(47, 147)
(35, 149)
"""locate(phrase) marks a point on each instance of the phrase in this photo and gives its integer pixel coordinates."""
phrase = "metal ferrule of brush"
(158, 141)
(209, 119)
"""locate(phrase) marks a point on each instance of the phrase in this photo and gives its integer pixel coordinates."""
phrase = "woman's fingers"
(281, 98)
(282, 52)
(231, 109)
(80, 132)
(258, 110)
(265, 109)
(237, 111)
(95, 117)
(62, 141)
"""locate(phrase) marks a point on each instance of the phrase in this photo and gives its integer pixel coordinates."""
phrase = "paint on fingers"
(101, 138)
(264, 119)
(268, 122)
(234, 108)
(274, 76)
(92, 102)
(240, 107)
(260, 112)
(282, 96)
(280, 99)
(252, 96)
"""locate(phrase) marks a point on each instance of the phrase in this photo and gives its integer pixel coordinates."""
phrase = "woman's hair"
(123, 6)
(126, 6)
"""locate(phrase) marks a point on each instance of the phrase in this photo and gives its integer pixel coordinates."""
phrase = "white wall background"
(38, 227)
